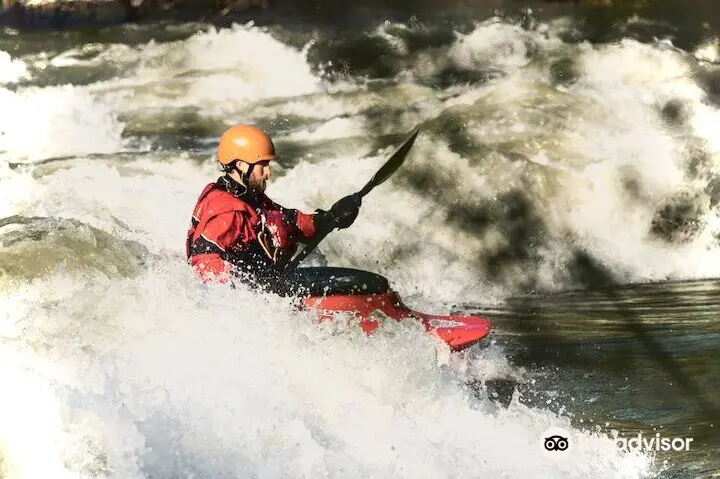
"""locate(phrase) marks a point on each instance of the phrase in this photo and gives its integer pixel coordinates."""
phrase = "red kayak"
(328, 290)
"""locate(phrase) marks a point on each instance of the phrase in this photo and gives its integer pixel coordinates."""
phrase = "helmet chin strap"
(240, 187)
(246, 175)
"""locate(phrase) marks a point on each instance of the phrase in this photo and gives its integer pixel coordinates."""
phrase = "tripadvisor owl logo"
(556, 442)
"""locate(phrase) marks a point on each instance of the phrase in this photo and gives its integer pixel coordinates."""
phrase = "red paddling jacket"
(234, 233)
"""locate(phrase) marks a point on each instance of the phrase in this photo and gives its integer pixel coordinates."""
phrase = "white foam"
(587, 136)
(709, 51)
(219, 71)
(17, 189)
(629, 83)
(589, 140)
(492, 44)
(333, 129)
(12, 70)
(91, 54)
(165, 377)
(31, 430)
(39, 123)
(146, 201)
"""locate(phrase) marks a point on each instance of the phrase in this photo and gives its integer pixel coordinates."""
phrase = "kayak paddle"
(385, 172)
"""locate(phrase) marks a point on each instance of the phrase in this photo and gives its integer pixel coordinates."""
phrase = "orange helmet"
(245, 143)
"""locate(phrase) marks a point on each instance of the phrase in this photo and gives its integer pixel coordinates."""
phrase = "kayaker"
(236, 231)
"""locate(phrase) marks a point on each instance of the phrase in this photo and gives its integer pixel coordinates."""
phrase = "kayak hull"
(330, 290)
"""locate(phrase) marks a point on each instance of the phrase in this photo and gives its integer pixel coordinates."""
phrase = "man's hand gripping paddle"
(385, 172)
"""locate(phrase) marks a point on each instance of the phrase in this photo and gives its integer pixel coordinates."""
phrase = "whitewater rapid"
(117, 362)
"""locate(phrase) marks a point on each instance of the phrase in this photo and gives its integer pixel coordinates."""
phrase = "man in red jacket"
(236, 231)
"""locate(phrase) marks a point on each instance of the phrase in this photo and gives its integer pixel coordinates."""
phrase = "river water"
(565, 183)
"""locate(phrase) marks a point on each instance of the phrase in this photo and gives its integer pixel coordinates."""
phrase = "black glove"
(342, 214)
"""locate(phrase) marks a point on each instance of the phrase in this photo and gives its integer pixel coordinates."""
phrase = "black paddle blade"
(392, 164)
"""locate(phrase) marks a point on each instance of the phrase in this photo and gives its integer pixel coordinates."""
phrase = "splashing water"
(119, 363)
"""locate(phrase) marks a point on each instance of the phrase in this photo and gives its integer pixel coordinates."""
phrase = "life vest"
(253, 236)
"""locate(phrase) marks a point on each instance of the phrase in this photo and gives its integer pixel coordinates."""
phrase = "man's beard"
(258, 186)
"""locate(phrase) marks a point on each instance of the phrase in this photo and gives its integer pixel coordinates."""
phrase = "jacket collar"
(237, 189)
